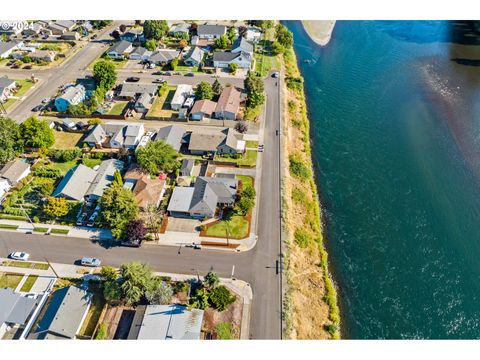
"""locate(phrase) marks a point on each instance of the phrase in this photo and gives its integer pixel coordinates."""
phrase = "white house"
(253, 35)
(181, 94)
(222, 59)
(6, 48)
(4, 187)
(6, 87)
(211, 32)
(14, 171)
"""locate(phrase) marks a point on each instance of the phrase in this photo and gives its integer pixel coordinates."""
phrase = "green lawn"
(10, 280)
(63, 166)
(25, 85)
(119, 64)
(224, 331)
(247, 159)
(252, 113)
(40, 229)
(161, 105)
(246, 180)
(27, 285)
(59, 231)
(66, 140)
(93, 315)
(251, 144)
(238, 228)
(25, 264)
(90, 162)
(118, 108)
(8, 226)
(187, 69)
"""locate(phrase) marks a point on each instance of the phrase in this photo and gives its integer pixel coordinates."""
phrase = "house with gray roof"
(14, 171)
(179, 29)
(164, 56)
(132, 90)
(208, 193)
(211, 32)
(242, 45)
(69, 25)
(213, 141)
(64, 316)
(194, 57)
(120, 49)
(72, 95)
(103, 178)
(6, 87)
(172, 135)
(76, 182)
(6, 48)
(15, 309)
(222, 59)
(143, 103)
(166, 322)
(186, 169)
(140, 53)
(115, 135)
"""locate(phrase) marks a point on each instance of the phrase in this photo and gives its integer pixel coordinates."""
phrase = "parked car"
(276, 74)
(189, 74)
(31, 295)
(133, 79)
(94, 36)
(158, 81)
(157, 73)
(82, 219)
(91, 219)
(11, 62)
(27, 67)
(37, 108)
(93, 262)
(167, 73)
(15, 66)
(19, 255)
(46, 100)
(131, 243)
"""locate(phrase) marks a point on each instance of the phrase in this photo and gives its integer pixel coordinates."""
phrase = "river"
(395, 130)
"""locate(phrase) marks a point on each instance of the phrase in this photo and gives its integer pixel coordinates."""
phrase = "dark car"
(168, 73)
(15, 66)
(94, 36)
(131, 243)
(190, 74)
(27, 67)
(157, 73)
(37, 108)
(133, 79)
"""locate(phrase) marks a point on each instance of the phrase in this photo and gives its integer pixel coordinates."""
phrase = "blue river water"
(395, 130)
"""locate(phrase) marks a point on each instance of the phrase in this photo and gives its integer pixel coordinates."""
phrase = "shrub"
(47, 172)
(220, 298)
(299, 196)
(101, 332)
(224, 331)
(298, 168)
(294, 83)
(302, 238)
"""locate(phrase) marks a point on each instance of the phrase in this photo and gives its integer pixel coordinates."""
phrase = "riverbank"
(320, 31)
(310, 305)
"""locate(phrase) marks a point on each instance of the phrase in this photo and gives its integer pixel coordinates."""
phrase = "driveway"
(182, 225)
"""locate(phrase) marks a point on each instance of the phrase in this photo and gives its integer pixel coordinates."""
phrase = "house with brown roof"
(146, 189)
(228, 104)
(215, 142)
(202, 109)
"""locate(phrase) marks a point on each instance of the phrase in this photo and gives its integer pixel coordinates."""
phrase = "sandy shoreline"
(320, 31)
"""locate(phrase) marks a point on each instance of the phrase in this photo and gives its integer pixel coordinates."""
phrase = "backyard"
(161, 106)
(264, 61)
(118, 108)
(66, 140)
(24, 85)
(95, 310)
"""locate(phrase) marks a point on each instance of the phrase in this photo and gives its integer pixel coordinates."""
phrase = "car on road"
(158, 81)
(94, 36)
(19, 255)
(158, 73)
(37, 108)
(27, 67)
(15, 66)
(87, 261)
(167, 73)
(45, 100)
(131, 243)
(132, 79)
(81, 219)
(189, 74)
(276, 74)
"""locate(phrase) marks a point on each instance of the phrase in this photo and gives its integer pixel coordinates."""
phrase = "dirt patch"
(233, 315)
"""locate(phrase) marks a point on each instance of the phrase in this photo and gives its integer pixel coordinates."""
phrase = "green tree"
(220, 298)
(211, 279)
(217, 88)
(36, 133)
(155, 29)
(222, 43)
(104, 74)
(56, 207)
(174, 64)
(151, 44)
(231, 34)
(11, 142)
(117, 178)
(160, 295)
(118, 208)
(109, 273)
(94, 121)
(137, 280)
(284, 36)
(199, 300)
(157, 156)
(249, 192)
(232, 67)
(245, 204)
(255, 90)
(112, 292)
(203, 91)
(99, 24)
(101, 332)
(277, 48)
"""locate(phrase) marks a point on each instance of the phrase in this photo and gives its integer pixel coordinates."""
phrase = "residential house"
(133, 36)
(57, 29)
(215, 142)
(203, 198)
(182, 92)
(163, 57)
(7, 86)
(222, 59)
(72, 95)
(242, 45)
(130, 91)
(33, 30)
(186, 169)
(148, 191)
(194, 40)
(71, 35)
(64, 317)
(68, 25)
(202, 109)
(228, 104)
(211, 32)
(180, 29)
(15, 309)
(172, 135)
(14, 171)
(120, 50)
(4, 187)
(43, 55)
(140, 53)
(7, 48)
(253, 35)
(127, 136)
(82, 183)
(143, 103)
(166, 322)
(194, 57)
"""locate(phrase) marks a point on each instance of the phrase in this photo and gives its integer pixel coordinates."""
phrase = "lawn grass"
(187, 69)
(8, 280)
(63, 282)
(161, 105)
(252, 113)
(8, 226)
(66, 140)
(246, 180)
(95, 310)
(118, 108)
(266, 62)
(59, 231)
(224, 331)
(238, 228)
(251, 144)
(40, 229)
(249, 158)
(25, 264)
(28, 284)
(25, 85)
(119, 64)
(90, 162)
(63, 166)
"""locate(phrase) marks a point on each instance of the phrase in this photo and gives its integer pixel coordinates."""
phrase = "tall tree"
(137, 279)
(11, 142)
(36, 133)
(135, 230)
(118, 208)
(211, 279)
(284, 36)
(104, 74)
(222, 42)
(217, 88)
(151, 44)
(160, 295)
(155, 29)
(117, 178)
(157, 156)
(255, 90)
(231, 34)
(56, 207)
(203, 91)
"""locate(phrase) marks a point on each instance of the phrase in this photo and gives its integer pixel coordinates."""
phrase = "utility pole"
(51, 267)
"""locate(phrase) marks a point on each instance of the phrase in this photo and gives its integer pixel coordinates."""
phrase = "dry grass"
(308, 314)
(66, 140)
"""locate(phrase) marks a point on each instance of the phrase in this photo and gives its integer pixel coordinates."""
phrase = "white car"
(93, 262)
(18, 255)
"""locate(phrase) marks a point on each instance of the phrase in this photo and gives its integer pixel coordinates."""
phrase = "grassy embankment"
(311, 310)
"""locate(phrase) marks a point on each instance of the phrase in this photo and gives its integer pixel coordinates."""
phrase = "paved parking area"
(182, 225)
